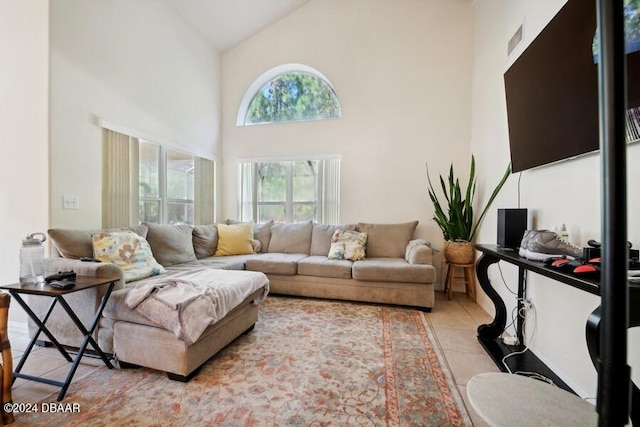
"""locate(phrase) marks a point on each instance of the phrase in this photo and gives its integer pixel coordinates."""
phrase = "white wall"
(24, 126)
(568, 192)
(401, 70)
(133, 64)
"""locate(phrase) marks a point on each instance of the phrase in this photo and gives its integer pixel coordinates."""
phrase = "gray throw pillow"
(205, 240)
(171, 244)
(262, 233)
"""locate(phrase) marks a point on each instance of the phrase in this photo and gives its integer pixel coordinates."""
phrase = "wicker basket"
(459, 252)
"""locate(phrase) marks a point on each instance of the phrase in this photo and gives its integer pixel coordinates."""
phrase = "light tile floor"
(455, 323)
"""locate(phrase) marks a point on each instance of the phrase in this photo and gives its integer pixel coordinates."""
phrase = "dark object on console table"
(489, 334)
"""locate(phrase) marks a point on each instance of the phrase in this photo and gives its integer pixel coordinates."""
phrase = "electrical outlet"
(70, 202)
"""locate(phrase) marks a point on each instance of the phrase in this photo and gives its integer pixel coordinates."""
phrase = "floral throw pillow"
(346, 244)
(128, 251)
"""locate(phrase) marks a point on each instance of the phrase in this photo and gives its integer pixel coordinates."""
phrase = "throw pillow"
(171, 244)
(235, 239)
(128, 251)
(76, 244)
(261, 232)
(346, 244)
(321, 237)
(387, 240)
(205, 240)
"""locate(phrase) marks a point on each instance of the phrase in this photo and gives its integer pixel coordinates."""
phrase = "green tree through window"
(631, 30)
(292, 97)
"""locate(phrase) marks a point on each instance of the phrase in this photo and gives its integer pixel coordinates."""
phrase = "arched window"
(290, 92)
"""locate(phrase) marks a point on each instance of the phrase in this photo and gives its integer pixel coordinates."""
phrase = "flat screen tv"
(552, 88)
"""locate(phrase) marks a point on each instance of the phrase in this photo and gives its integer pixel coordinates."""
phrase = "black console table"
(489, 334)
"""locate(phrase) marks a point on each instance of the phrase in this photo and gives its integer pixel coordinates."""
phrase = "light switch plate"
(70, 202)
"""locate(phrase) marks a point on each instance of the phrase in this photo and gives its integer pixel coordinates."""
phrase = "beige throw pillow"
(387, 240)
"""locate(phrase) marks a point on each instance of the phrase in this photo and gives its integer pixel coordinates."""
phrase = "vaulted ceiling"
(225, 23)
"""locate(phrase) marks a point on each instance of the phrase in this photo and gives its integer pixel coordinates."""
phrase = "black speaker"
(512, 223)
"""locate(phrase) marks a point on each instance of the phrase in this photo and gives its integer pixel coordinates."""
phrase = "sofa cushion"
(231, 262)
(171, 244)
(262, 233)
(392, 270)
(275, 263)
(291, 238)
(387, 240)
(76, 244)
(205, 240)
(321, 237)
(235, 239)
(321, 266)
(128, 251)
(346, 244)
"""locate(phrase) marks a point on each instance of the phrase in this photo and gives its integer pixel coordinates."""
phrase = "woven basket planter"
(459, 252)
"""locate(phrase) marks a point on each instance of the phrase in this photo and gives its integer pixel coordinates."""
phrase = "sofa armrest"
(419, 252)
(82, 268)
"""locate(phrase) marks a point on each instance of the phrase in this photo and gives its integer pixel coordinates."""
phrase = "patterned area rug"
(307, 362)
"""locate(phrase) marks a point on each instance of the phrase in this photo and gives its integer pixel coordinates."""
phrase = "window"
(177, 207)
(290, 191)
(291, 92)
(148, 182)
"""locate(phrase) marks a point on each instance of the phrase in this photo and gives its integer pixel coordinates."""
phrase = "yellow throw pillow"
(235, 239)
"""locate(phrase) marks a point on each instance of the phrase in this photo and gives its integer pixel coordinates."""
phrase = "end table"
(57, 295)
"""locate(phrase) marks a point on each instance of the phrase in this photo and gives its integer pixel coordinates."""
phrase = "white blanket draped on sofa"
(187, 302)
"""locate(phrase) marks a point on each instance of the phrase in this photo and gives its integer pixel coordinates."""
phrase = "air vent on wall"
(515, 40)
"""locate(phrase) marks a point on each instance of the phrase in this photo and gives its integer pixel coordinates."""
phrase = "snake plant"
(456, 217)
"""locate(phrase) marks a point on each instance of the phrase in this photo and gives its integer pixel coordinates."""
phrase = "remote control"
(61, 275)
(62, 284)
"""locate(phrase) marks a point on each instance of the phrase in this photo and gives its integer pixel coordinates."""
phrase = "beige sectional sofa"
(294, 258)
